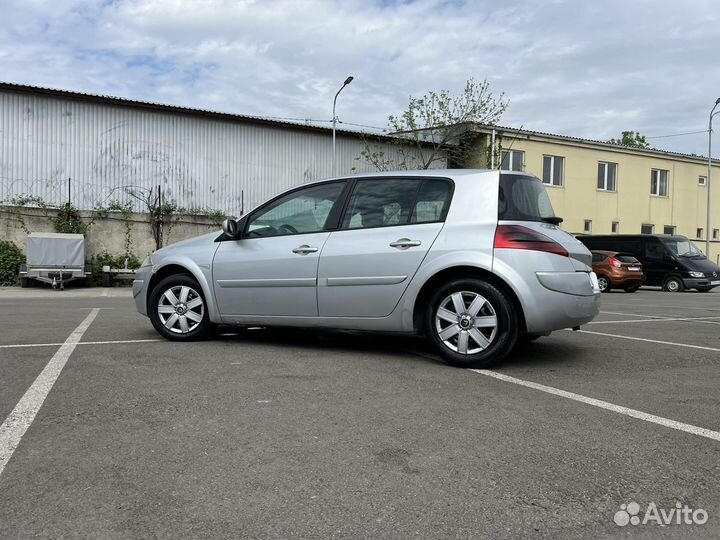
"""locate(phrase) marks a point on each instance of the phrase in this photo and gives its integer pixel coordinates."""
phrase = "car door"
(386, 231)
(272, 269)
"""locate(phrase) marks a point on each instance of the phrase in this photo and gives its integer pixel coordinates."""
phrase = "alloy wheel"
(181, 309)
(466, 322)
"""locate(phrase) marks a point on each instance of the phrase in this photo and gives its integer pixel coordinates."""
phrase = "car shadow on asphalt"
(541, 353)
(546, 353)
(394, 344)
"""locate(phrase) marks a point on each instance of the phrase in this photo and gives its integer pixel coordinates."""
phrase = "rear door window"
(397, 201)
(523, 198)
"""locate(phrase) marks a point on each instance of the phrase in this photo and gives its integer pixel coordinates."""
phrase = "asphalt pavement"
(288, 433)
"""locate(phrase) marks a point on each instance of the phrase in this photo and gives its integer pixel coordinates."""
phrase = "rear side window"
(523, 198)
(597, 257)
(431, 203)
(388, 202)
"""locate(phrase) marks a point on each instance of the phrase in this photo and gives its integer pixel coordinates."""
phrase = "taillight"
(519, 237)
(614, 262)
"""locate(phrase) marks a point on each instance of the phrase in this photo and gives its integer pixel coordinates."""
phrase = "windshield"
(682, 247)
(523, 198)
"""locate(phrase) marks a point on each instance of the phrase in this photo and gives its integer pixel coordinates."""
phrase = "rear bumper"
(620, 278)
(562, 300)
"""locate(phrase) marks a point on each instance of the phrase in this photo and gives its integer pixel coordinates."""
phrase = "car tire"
(604, 284)
(453, 323)
(674, 284)
(632, 288)
(177, 318)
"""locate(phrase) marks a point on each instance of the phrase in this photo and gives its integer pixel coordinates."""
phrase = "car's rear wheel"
(673, 284)
(632, 288)
(178, 309)
(604, 284)
(471, 323)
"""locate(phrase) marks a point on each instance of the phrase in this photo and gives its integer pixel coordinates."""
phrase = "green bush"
(113, 261)
(11, 257)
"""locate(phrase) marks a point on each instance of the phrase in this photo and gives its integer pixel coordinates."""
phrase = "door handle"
(405, 243)
(304, 249)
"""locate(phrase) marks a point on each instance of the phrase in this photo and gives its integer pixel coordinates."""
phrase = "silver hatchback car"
(472, 259)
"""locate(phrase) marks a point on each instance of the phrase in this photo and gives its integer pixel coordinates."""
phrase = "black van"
(670, 261)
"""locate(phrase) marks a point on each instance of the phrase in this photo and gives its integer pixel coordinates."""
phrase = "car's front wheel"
(178, 309)
(472, 323)
(674, 284)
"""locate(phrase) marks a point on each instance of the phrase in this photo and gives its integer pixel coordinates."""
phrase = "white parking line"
(662, 319)
(21, 345)
(19, 420)
(630, 314)
(673, 424)
(687, 345)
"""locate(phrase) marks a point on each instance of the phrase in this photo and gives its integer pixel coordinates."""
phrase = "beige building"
(603, 188)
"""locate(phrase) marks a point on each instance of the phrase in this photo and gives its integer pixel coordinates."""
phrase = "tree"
(631, 138)
(431, 127)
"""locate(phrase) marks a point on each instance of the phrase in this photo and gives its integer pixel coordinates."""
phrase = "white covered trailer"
(54, 258)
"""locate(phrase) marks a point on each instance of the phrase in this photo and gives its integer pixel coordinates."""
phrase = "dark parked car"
(617, 271)
(670, 261)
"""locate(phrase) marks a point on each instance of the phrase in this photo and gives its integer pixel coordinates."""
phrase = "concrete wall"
(107, 233)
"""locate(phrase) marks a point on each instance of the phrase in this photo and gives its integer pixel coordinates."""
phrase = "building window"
(615, 227)
(647, 228)
(699, 232)
(607, 176)
(659, 182)
(512, 160)
(588, 226)
(716, 234)
(702, 180)
(553, 170)
(669, 229)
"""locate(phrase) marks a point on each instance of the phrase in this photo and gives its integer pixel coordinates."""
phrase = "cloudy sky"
(581, 68)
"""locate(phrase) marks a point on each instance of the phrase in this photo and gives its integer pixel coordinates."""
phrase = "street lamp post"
(708, 231)
(347, 81)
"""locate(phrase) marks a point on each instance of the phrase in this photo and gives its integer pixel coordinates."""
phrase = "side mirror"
(230, 228)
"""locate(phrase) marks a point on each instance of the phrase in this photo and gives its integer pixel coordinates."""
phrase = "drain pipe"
(492, 158)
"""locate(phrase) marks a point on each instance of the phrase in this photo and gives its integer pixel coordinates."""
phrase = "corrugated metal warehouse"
(109, 146)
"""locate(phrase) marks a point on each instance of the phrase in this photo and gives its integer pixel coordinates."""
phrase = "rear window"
(629, 259)
(523, 198)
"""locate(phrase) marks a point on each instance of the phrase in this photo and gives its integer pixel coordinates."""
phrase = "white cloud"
(577, 68)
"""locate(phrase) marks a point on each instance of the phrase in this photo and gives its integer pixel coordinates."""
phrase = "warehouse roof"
(113, 100)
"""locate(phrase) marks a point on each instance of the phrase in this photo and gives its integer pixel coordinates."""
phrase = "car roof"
(433, 173)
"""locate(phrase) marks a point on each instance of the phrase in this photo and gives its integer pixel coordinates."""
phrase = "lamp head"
(717, 101)
(350, 79)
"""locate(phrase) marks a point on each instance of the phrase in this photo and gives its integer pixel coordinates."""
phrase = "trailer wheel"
(24, 282)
